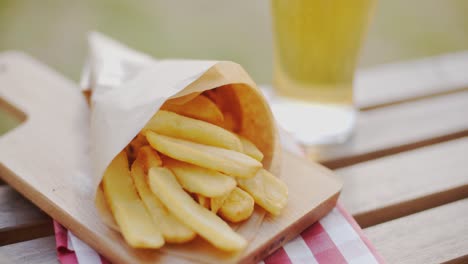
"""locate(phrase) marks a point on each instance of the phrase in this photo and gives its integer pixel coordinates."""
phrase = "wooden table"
(405, 169)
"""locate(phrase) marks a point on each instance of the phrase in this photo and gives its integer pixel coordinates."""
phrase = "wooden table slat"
(432, 236)
(37, 251)
(397, 128)
(20, 219)
(398, 185)
(403, 81)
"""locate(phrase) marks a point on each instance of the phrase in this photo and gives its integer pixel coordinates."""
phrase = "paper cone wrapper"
(128, 88)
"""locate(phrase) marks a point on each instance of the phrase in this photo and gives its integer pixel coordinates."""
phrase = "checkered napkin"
(336, 238)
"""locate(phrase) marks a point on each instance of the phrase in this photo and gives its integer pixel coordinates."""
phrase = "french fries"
(103, 207)
(267, 190)
(189, 174)
(172, 229)
(201, 108)
(129, 212)
(237, 207)
(223, 160)
(178, 126)
(229, 122)
(217, 202)
(250, 149)
(200, 180)
(208, 225)
(203, 200)
(227, 101)
(148, 158)
(134, 145)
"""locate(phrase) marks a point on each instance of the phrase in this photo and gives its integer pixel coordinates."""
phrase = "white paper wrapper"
(129, 87)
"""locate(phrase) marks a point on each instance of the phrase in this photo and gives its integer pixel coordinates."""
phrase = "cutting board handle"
(14, 98)
(28, 100)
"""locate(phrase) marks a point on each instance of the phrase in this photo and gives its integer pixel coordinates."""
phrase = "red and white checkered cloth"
(336, 238)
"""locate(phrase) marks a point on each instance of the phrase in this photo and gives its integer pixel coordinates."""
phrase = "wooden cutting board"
(45, 159)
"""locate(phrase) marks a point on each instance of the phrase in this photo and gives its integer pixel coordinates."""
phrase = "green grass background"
(54, 31)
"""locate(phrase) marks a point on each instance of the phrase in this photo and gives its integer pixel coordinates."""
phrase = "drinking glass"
(316, 48)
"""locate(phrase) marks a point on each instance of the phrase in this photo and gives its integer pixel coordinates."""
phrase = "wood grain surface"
(35, 251)
(398, 128)
(374, 191)
(408, 81)
(20, 219)
(433, 236)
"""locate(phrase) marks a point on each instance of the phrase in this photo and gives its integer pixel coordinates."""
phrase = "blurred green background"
(54, 31)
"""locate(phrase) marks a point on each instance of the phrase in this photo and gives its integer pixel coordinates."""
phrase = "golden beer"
(317, 43)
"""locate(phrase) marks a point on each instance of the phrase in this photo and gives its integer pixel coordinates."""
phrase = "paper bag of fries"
(185, 152)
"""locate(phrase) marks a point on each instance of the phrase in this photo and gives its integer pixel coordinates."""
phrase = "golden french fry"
(267, 190)
(229, 122)
(134, 145)
(178, 126)
(212, 95)
(200, 180)
(103, 208)
(226, 99)
(148, 158)
(134, 222)
(238, 206)
(203, 200)
(172, 229)
(250, 149)
(138, 142)
(223, 98)
(201, 108)
(223, 160)
(217, 202)
(208, 225)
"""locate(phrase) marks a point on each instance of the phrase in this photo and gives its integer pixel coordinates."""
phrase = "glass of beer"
(317, 44)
